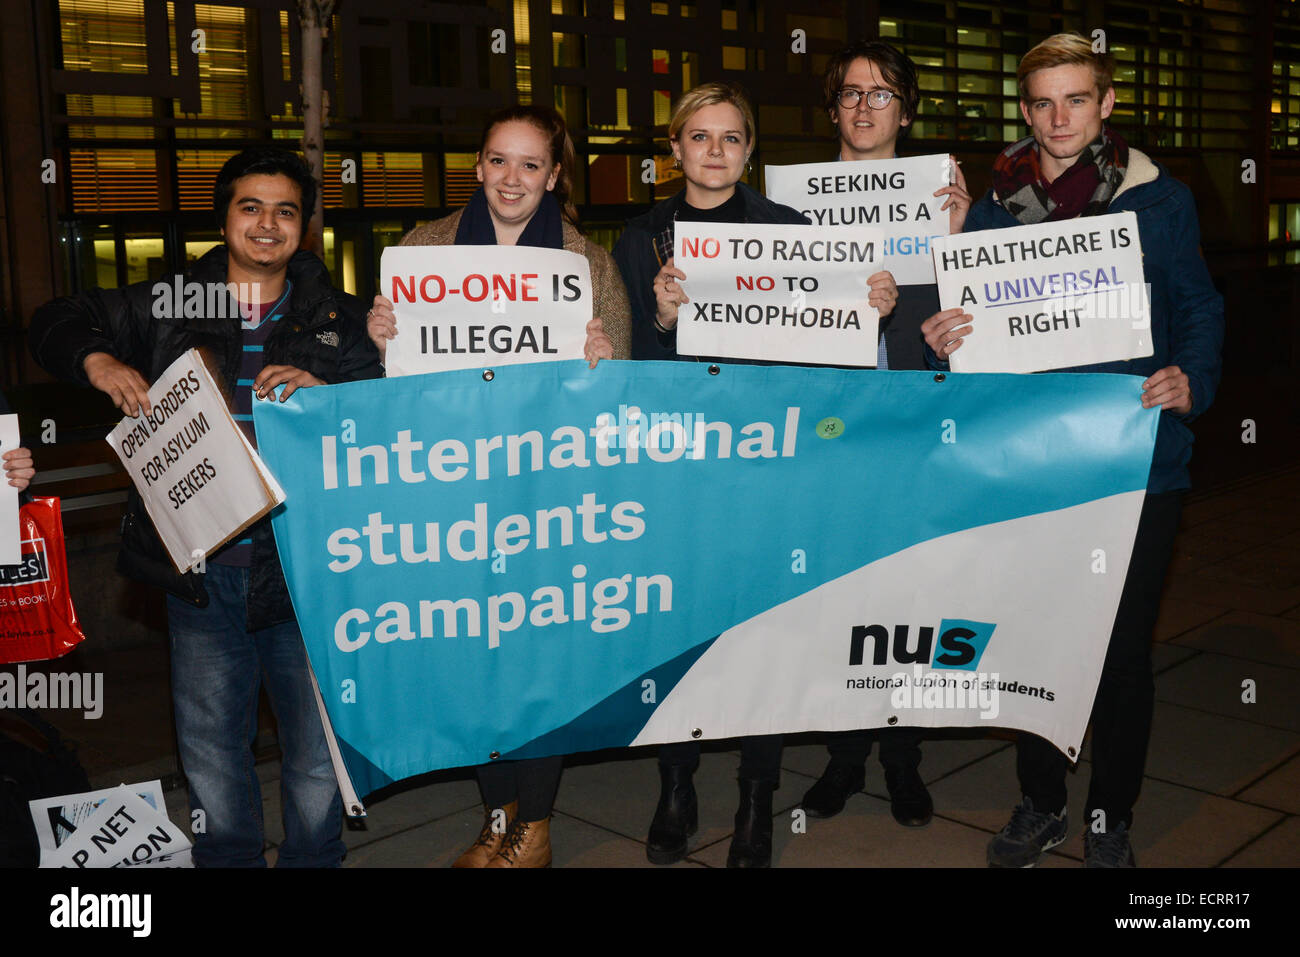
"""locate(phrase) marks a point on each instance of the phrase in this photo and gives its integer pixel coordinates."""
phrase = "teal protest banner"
(542, 559)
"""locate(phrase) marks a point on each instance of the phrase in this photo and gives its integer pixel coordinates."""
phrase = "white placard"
(780, 293)
(10, 546)
(469, 307)
(896, 196)
(1048, 296)
(124, 830)
(59, 819)
(199, 477)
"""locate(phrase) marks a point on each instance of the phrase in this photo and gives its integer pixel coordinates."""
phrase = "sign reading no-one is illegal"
(468, 307)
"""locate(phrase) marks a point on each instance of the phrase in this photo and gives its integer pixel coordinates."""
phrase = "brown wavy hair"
(550, 124)
(895, 66)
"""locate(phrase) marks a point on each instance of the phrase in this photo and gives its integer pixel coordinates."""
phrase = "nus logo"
(961, 644)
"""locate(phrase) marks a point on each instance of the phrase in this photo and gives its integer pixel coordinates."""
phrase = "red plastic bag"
(37, 620)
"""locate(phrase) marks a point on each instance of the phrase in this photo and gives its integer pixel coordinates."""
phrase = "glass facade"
(1284, 104)
(153, 97)
(1284, 233)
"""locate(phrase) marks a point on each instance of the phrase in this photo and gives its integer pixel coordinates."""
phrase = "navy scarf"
(545, 229)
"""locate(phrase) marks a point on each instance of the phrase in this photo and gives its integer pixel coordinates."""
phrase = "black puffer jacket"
(322, 332)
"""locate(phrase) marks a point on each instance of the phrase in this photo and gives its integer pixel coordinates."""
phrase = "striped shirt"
(257, 329)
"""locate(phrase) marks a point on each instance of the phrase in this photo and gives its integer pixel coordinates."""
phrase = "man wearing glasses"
(871, 96)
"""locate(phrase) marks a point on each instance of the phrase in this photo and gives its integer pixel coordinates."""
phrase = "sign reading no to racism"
(779, 293)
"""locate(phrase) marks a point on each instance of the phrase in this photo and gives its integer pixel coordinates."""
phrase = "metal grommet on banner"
(939, 377)
(488, 375)
(893, 719)
(714, 370)
(696, 732)
(1071, 752)
(494, 755)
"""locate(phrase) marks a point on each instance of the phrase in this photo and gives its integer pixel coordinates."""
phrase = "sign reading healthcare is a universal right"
(1048, 296)
(560, 559)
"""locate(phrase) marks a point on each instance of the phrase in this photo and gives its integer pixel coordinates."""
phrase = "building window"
(102, 36)
(393, 179)
(106, 180)
(1284, 233)
(1284, 110)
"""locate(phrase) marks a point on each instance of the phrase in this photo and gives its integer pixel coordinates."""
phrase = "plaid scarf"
(1085, 189)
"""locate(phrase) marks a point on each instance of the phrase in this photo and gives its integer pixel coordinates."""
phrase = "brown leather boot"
(489, 841)
(527, 845)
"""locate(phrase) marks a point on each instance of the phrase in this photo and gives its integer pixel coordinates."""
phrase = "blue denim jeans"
(217, 670)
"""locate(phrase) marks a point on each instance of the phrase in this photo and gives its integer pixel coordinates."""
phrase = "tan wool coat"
(610, 298)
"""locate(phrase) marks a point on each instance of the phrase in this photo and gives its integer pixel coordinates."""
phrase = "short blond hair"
(711, 94)
(1066, 49)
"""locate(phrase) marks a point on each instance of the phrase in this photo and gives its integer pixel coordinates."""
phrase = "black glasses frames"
(876, 99)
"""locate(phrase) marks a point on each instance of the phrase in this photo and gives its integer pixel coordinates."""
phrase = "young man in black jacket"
(1074, 164)
(871, 94)
(232, 625)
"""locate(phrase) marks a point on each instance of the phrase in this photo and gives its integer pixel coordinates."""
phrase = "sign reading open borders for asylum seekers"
(200, 480)
(563, 559)
(781, 293)
(1048, 296)
(467, 307)
(895, 196)
(10, 538)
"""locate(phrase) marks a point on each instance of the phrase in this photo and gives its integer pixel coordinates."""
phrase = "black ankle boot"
(751, 845)
(837, 784)
(909, 801)
(676, 817)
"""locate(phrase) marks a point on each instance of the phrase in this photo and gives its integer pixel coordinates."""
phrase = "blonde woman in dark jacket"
(712, 137)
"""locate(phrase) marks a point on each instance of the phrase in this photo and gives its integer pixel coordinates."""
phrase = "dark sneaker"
(1027, 835)
(909, 801)
(837, 784)
(1108, 849)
